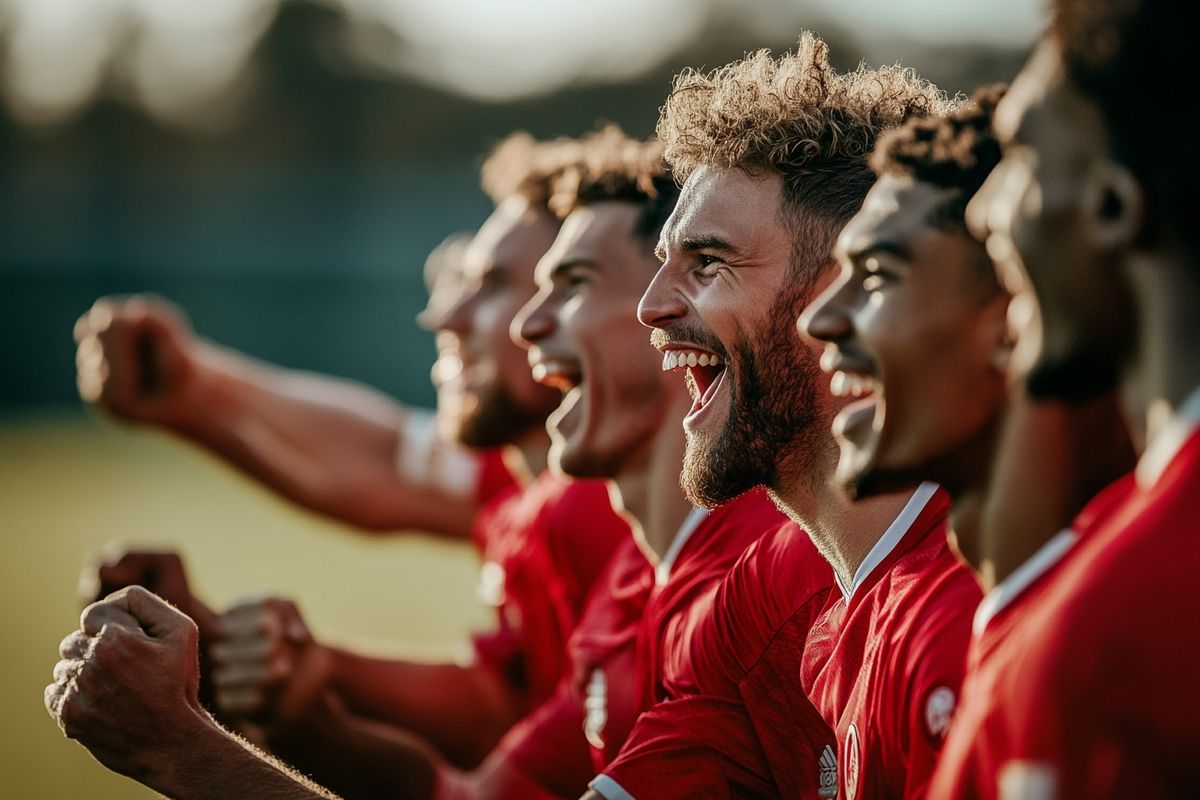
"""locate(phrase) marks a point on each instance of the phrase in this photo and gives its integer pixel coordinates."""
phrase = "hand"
(137, 358)
(126, 687)
(266, 665)
(160, 571)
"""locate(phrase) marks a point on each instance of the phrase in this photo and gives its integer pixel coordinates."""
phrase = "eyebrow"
(569, 264)
(882, 247)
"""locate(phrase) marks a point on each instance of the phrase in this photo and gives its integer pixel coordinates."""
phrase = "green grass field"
(70, 484)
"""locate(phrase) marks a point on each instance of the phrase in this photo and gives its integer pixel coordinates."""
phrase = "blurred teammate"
(541, 560)
(775, 159)
(1089, 213)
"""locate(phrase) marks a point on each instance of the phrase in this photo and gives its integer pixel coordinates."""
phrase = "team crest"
(828, 773)
(852, 760)
(939, 708)
(595, 706)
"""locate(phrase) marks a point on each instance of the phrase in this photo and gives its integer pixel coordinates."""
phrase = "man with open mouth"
(774, 154)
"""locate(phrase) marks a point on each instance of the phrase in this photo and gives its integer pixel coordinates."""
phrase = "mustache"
(688, 333)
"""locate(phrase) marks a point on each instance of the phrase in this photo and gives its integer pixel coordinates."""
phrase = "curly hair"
(1127, 56)
(950, 151)
(794, 117)
(522, 165)
(615, 167)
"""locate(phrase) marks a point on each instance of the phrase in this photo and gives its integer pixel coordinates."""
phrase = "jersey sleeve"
(694, 747)
(548, 745)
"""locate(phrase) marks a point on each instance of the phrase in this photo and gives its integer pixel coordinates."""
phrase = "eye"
(708, 264)
(877, 276)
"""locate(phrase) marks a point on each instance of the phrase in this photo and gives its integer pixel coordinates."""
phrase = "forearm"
(461, 710)
(360, 758)
(210, 763)
(328, 444)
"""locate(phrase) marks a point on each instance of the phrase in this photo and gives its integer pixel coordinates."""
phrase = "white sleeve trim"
(609, 789)
(426, 459)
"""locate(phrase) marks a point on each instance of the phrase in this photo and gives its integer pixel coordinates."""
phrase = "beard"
(776, 430)
(495, 419)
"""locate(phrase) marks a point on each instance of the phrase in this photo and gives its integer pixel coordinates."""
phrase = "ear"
(1114, 206)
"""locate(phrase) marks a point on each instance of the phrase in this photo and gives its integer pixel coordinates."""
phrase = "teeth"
(837, 384)
(673, 359)
(843, 384)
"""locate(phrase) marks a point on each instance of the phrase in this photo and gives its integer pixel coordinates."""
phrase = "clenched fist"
(160, 571)
(138, 358)
(126, 687)
(266, 665)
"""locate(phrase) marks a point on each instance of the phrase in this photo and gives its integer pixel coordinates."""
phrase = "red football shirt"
(1103, 701)
(544, 547)
(734, 721)
(884, 661)
(637, 618)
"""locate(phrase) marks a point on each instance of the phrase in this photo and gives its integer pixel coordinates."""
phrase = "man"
(1094, 696)
(540, 562)
(771, 177)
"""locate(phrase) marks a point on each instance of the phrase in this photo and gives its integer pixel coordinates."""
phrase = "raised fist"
(126, 684)
(160, 571)
(267, 668)
(138, 358)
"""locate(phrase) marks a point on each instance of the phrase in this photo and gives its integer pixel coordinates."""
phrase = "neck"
(1167, 297)
(842, 530)
(526, 457)
(1051, 458)
(646, 490)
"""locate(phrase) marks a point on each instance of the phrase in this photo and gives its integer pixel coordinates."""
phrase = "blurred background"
(280, 168)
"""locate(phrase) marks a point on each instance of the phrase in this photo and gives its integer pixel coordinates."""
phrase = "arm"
(328, 444)
(270, 669)
(126, 690)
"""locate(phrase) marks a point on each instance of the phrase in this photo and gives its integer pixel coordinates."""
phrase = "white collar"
(1160, 452)
(890, 538)
(1009, 589)
(662, 572)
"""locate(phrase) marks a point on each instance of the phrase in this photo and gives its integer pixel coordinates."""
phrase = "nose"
(456, 317)
(828, 318)
(662, 302)
(534, 322)
(980, 215)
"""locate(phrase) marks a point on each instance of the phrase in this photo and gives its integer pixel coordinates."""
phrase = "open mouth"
(706, 373)
(857, 421)
(560, 373)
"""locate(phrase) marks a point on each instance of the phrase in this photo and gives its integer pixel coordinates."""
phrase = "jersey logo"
(1027, 780)
(851, 759)
(595, 706)
(939, 708)
(828, 773)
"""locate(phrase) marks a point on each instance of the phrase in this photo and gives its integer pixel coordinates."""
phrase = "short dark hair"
(951, 151)
(614, 167)
(1127, 57)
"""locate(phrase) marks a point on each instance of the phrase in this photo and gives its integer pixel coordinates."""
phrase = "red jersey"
(543, 547)
(885, 660)
(637, 619)
(1099, 699)
(734, 721)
